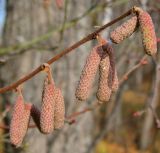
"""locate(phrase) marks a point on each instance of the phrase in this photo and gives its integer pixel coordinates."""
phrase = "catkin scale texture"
(124, 31)
(148, 33)
(47, 108)
(108, 51)
(25, 121)
(15, 126)
(88, 73)
(104, 86)
(59, 111)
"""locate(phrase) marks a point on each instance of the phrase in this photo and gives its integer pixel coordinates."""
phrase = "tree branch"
(20, 48)
(66, 51)
(70, 118)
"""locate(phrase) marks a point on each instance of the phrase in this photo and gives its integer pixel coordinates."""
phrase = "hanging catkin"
(35, 113)
(104, 86)
(59, 111)
(148, 33)
(88, 73)
(15, 126)
(108, 80)
(124, 31)
(23, 127)
(108, 50)
(48, 105)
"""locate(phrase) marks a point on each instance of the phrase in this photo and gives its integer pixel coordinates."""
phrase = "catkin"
(47, 107)
(17, 115)
(104, 86)
(25, 121)
(35, 113)
(148, 33)
(59, 111)
(124, 31)
(108, 50)
(88, 73)
(19, 122)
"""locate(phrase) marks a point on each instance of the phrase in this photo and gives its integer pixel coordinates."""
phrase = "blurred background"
(33, 31)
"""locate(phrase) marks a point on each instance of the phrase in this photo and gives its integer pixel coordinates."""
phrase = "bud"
(88, 73)
(148, 33)
(124, 31)
(17, 115)
(47, 107)
(59, 111)
(104, 87)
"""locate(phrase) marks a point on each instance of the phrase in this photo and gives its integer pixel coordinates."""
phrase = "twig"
(68, 119)
(75, 114)
(95, 105)
(153, 103)
(20, 48)
(141, 62)
(65, 51)
(65, 19)
(4, 113)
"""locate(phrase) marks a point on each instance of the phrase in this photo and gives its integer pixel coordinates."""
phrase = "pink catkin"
(47, 108)
(88, 73)
(59, 111)
(105, 81)
(25, 120)
(17, 116)
(148, 33)
(124, 31)
(19, 122)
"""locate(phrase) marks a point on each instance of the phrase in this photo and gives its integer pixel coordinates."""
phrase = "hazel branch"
(66, 51)
(69, 119)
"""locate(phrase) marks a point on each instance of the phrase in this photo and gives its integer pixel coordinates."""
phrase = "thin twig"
(141, 62)
(88, 109)
(20, 48)
(65, 51)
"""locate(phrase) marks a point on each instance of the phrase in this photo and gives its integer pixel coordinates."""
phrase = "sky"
(2, 12)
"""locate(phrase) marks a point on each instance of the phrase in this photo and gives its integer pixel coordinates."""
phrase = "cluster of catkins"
(141, 20)
(102, 57)
(50, 117)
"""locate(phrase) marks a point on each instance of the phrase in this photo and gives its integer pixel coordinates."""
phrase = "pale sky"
(2, 12)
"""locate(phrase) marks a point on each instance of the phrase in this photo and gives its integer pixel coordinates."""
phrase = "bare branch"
(66, 51)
